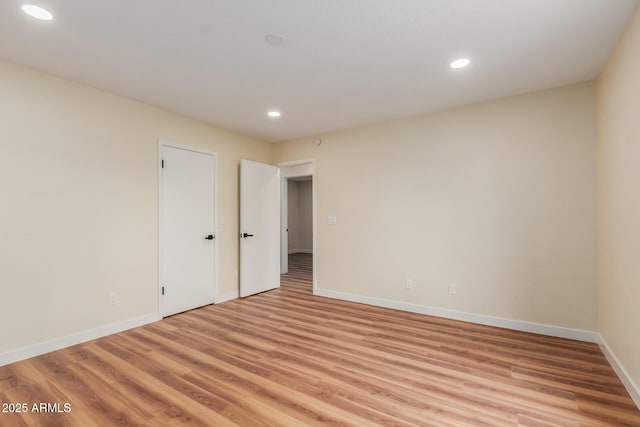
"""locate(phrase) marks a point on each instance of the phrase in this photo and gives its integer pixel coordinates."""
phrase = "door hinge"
(162, 163)
(163, 290)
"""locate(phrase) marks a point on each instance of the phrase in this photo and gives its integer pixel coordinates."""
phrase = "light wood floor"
(287, 358)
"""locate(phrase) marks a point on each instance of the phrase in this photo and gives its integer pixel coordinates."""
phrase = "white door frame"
(161, 145)
(296, 169)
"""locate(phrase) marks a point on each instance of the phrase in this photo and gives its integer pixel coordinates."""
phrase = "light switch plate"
(332, 220)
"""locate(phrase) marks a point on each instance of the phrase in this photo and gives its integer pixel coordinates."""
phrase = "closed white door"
(259, 227)
(187, 230)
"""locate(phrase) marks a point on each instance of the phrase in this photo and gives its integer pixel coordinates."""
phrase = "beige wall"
(618, 94)
(498, 198)
(79, 206)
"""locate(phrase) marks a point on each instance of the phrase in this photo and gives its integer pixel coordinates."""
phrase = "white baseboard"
(300, 251)
(73, 339)
(228, 296)
(518, 325)
(629, 384)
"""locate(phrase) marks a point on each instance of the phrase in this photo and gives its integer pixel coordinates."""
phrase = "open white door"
(259, 227)
(187, 230)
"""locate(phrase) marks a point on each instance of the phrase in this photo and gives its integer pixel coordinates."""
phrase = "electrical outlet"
(452, 288)
(408, 283)
(113, 298)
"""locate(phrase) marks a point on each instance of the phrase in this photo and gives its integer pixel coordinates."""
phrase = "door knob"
(210, 237)
(246, 235)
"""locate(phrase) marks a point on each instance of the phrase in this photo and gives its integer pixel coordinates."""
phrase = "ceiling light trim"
(274, 39)
(459, 63)
(37, 12)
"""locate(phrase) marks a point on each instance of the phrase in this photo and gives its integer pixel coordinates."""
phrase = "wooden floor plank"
(288, 358)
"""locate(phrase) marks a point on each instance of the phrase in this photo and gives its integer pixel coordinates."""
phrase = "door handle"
(210, 237)
(245, 235)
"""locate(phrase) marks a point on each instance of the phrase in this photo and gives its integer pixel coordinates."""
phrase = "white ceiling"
(344, 63)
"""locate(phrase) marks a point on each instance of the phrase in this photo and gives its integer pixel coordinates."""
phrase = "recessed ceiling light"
(274, 39)
(460, 63)
(37, 12)
(274, 114)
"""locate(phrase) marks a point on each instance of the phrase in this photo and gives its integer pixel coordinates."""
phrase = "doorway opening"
(297, 242)
(299, 229)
